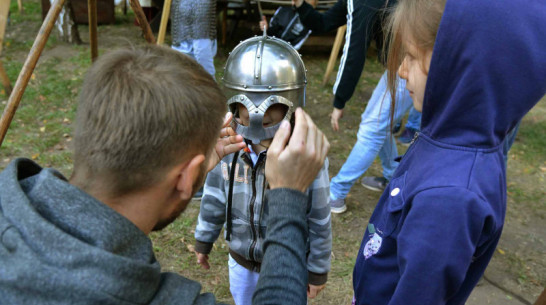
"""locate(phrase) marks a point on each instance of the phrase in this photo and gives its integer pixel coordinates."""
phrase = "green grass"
(42, 124)
(32, 12)
(531, 143)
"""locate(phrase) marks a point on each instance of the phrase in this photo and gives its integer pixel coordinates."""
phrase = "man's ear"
(188, 175)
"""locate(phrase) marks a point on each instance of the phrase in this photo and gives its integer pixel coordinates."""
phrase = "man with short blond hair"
(148, 128)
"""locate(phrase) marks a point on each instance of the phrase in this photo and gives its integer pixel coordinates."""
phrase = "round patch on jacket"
(372, 246)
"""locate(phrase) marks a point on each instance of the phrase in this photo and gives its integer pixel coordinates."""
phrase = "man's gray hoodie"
(59, 245)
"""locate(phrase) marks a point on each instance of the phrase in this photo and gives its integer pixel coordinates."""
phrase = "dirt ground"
(518, 269)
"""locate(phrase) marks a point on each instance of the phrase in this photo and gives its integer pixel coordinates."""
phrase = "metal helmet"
(260, 72)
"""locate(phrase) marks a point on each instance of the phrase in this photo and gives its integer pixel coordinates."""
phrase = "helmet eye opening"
(240, 113)
(275, 114)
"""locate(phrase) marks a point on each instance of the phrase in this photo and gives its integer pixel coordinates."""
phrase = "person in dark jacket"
(436, 226)
(140, 152)
(363, 19)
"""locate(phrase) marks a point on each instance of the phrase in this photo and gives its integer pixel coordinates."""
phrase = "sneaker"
(407, 136)
(377, 184)
(338, 206)
(197, 196)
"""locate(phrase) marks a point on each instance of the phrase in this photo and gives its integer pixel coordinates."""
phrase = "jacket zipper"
(415, 136)
(252, 202)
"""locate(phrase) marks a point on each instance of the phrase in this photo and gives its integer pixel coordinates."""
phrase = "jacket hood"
(68, 244)
(488, 69)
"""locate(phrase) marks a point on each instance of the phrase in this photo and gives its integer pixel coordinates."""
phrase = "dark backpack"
(286, 25)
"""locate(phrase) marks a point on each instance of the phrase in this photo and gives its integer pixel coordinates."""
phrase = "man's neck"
(137, 207)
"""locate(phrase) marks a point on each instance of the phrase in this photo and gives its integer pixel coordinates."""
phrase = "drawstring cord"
(230, 195)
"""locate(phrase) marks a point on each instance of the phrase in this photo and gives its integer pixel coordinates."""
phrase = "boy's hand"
(313, 291)
(228, 142)
(297, 164)
(203, 260)
(263, 23)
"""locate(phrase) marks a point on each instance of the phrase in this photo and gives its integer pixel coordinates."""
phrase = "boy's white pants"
(242, 282)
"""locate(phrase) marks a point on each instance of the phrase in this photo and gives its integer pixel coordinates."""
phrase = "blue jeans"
(202, 50)
(414, 120)
(242, 283)
(373, 138)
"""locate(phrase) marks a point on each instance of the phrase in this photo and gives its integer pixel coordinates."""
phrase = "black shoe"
(397, 127)
(377, 184)
(338, 206)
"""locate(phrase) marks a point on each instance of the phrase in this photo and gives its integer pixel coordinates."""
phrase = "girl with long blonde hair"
(474, 68)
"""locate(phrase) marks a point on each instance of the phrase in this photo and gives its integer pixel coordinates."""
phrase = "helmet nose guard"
(259, 72)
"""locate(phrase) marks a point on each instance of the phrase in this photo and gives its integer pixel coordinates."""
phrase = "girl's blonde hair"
(417, 20)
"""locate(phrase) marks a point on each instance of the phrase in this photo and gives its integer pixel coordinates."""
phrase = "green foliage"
(531, 143)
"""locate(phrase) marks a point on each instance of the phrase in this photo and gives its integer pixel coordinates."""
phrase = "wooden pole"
(20, 5)
(335, 51)
(92, 13)
(142, 21)
(4, 11)
(164, 20)
(28, 67)
(5, 79)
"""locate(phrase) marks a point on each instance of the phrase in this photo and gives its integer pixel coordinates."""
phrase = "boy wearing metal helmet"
(264, 81)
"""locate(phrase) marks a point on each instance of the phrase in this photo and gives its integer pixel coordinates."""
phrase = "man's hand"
(228, 142)
(297, 3)
(313, 291)
(297, 164)
(203, 260)
(263, 23)
(335, 116)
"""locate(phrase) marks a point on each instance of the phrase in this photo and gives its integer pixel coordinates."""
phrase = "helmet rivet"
(242, 98)
(270, 87)
(244, 86)
(257, 76)
(272, 99)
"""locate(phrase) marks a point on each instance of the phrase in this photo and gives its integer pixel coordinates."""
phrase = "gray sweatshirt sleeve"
(320, 228)
(283, 275)
(212, 213)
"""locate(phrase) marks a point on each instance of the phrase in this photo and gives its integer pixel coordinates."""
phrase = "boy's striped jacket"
(249, 214)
